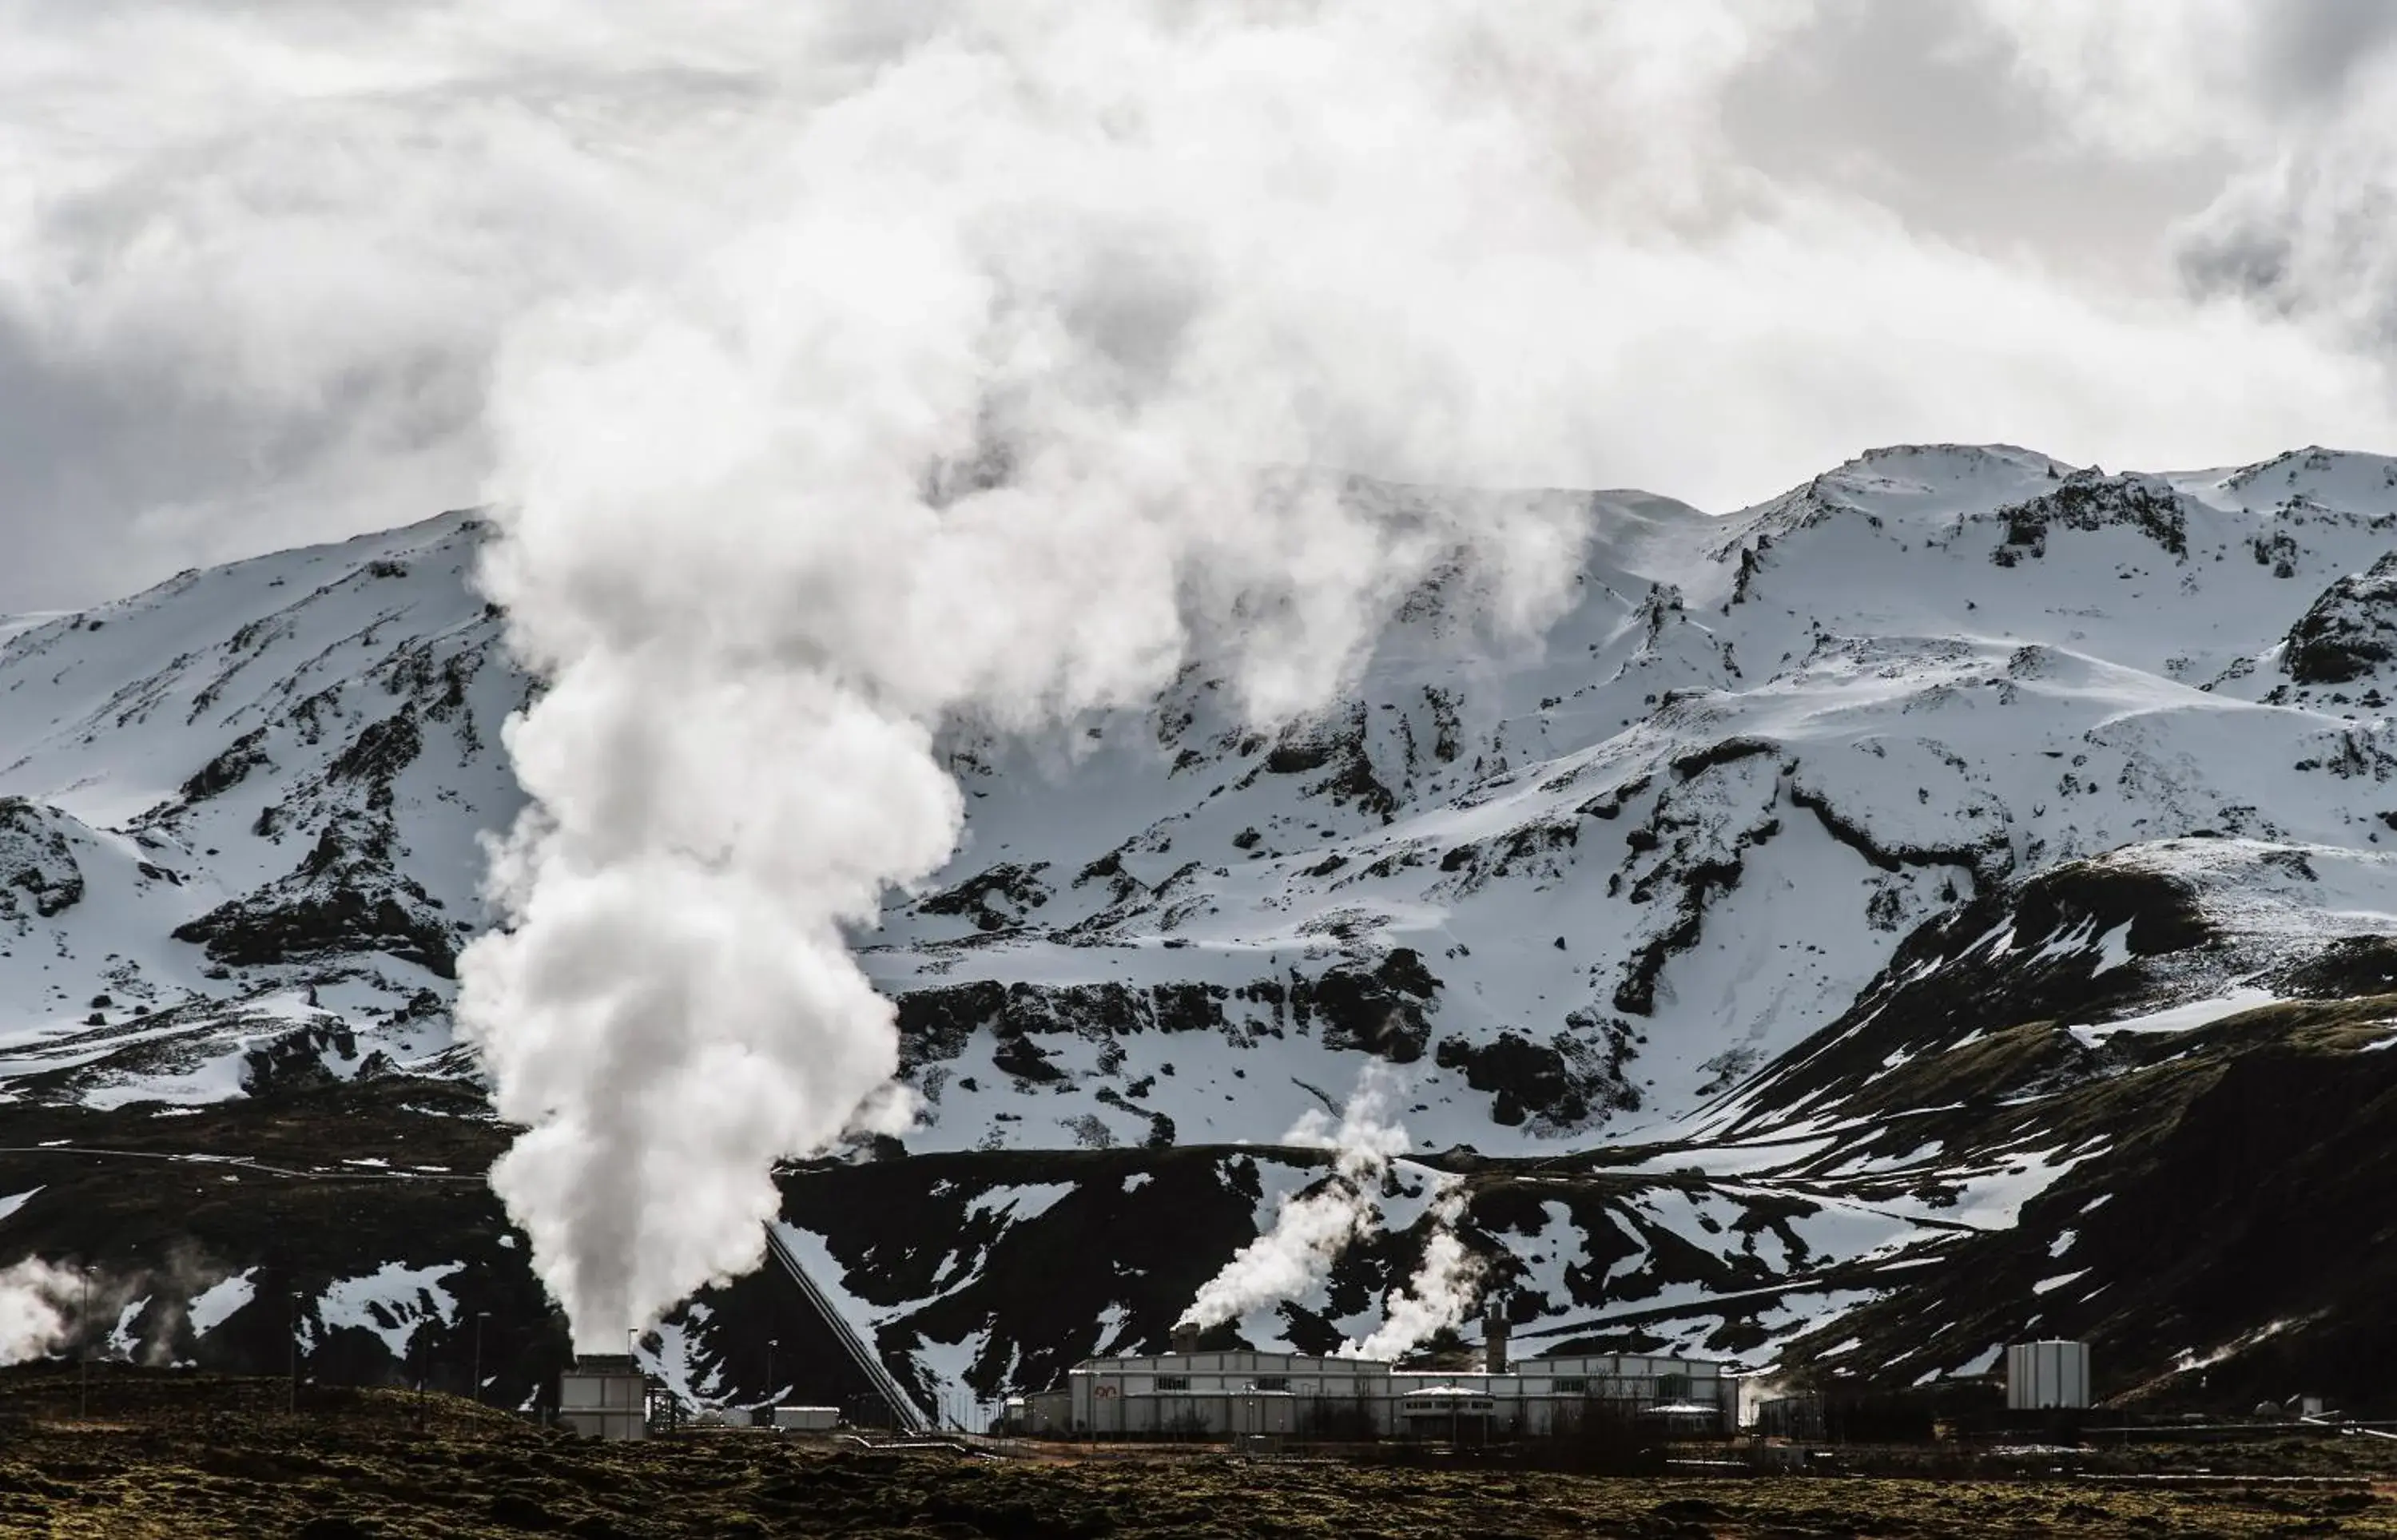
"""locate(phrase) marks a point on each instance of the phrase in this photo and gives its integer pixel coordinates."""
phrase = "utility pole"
(295, 1352)
(84, 1328)
(480, 1316)
(771, 1343)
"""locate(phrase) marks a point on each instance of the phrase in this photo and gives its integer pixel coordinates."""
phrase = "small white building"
(605, 1397)
(1231, 1394)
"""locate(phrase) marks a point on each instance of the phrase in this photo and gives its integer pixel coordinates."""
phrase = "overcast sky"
(255, 264)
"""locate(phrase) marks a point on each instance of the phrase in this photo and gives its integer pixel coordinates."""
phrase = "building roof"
(1249, 1359)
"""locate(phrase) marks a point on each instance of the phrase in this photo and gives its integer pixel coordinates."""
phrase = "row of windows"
(1670, 1388)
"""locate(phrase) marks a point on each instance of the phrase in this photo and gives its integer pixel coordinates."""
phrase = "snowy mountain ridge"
(1812, 902)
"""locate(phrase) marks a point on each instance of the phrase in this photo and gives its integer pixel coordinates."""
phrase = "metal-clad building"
(2047, 1375)
(1233, 1394)
(605, 1397)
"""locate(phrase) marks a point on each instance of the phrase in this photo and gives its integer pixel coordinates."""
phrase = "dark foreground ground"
(187, 1457)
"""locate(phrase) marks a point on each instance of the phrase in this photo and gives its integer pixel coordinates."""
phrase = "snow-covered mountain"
(1842, 889)
(241, 831)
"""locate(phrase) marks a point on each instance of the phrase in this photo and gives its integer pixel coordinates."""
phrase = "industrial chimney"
(1186, 1337)
(1493, 1337)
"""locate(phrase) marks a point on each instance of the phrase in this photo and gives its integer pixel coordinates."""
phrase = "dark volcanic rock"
(344, 898)
(1380, 1009)
(2349, 632)
(35, 859)
(296, 1060)
(1558, 1084)
(995, 899)
(228, 769)
(2087, 500)
(335, 919)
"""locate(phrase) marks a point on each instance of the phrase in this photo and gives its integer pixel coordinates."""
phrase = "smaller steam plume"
(1310, 1230)
(38, 1305)
(47, 1308)
(1442, 1294)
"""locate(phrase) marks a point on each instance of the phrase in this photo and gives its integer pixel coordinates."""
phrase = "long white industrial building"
(1233, 1394)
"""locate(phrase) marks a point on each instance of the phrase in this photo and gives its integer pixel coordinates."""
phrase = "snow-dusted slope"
(1826, 892)
(1623, 871)
(253, 796)
(1581, 889)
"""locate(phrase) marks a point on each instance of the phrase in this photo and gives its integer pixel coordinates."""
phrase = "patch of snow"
(1029, 1200)
(393, 1302)
(122, 1343)
(2181, 1018)
(214, 1304)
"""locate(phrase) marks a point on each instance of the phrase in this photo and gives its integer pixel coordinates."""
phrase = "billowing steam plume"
(1310, 1230)
(968, 415)
(38, 1309)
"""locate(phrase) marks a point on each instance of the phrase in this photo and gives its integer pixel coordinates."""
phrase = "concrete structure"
(806, 1419)
(1238, 1394)
(2042, 1377)
(605, 1397)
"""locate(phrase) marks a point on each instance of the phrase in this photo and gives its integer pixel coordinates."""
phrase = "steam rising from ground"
(1442, 1294)
(1311, 1229)
(47, 1308)
(38, 1302)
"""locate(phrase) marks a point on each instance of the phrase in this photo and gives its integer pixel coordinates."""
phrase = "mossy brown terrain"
(191, 1455)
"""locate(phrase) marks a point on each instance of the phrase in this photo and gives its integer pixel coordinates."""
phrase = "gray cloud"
(255, 263)
(2314, 48)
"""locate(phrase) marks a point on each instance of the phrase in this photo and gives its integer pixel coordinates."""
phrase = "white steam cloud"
(38, 1301)
(45, 1307)
(1442, 1292)
(974, 420)
(1311, 1229)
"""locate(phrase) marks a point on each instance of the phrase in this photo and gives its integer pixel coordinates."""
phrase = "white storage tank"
(2044, 1376)
(806, 1419)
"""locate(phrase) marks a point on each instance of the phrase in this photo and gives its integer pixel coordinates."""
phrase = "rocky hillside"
(1846, 900)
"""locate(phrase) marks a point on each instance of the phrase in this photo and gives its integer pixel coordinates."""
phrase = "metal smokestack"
(1186, 1337)
(1493, 1337)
